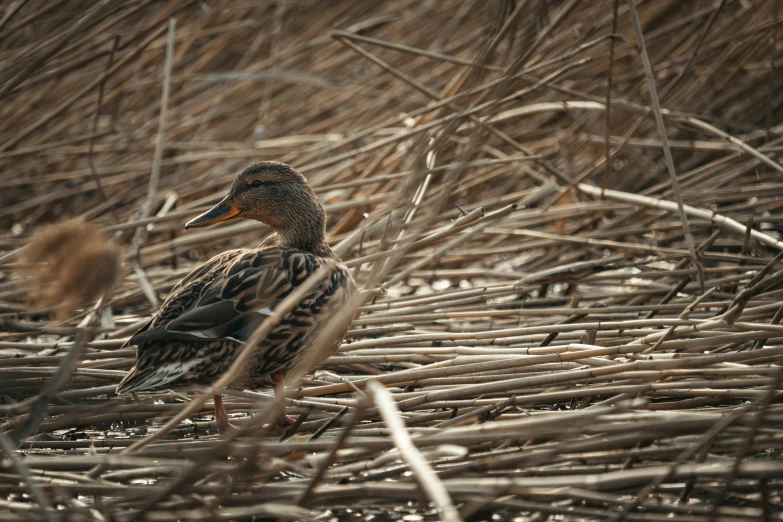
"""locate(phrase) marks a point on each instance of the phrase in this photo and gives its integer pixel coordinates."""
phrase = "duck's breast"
(313, 330)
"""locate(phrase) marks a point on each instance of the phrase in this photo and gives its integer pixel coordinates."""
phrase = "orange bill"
(223, 211)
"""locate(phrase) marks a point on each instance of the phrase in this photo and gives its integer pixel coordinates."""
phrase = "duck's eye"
(256, 183)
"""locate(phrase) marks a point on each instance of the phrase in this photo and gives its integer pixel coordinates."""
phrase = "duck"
(204, 322)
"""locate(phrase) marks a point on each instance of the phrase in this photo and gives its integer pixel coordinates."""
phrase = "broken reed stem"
(510, 317)
(665, 140)
(713, 217)
(9, 449)
(152, 188)
(422, 471)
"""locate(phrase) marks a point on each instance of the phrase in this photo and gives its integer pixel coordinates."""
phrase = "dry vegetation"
(558, 352)
(68, 266)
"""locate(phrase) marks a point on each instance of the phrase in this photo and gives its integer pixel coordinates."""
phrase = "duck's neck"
(306, 230)
(305, 243)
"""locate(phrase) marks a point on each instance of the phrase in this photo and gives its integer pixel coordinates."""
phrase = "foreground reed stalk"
(567, 247)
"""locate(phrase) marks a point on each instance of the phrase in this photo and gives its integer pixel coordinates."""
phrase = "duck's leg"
(283, 420)
(221, 417)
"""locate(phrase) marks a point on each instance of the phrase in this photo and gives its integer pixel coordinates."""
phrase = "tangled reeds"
(568, 241)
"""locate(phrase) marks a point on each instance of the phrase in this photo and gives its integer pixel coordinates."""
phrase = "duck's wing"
(231, 299)
(186, 292)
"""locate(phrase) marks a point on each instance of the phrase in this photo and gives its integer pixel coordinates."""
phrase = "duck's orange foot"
(284, 421)
(221, 417)
(223, 426)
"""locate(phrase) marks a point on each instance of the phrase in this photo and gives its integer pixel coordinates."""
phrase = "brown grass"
(557, 351)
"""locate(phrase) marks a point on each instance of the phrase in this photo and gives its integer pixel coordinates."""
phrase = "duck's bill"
(223, 211)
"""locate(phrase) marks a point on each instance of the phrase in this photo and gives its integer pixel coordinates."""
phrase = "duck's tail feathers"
(150, 378)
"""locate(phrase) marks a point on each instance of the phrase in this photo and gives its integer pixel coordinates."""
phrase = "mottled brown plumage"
(200, 328)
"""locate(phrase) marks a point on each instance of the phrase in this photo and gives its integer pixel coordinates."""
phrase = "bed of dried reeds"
(565, 214)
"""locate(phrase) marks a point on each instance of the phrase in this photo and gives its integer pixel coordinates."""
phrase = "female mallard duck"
(199, 329)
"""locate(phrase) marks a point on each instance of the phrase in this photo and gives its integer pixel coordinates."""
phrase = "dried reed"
(568, 243)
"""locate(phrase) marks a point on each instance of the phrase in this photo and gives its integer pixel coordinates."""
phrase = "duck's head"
(276, 195)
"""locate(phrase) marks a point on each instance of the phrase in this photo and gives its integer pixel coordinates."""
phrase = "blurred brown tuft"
(70, 265)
